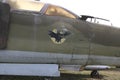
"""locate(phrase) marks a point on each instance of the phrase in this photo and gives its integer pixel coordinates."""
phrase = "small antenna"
(37, 0)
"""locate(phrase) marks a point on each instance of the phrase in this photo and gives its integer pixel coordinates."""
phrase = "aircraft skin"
(35, 37)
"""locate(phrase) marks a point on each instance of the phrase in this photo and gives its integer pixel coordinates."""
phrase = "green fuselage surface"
(34, 37)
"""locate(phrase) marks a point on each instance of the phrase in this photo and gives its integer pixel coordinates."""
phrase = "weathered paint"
(88, 43)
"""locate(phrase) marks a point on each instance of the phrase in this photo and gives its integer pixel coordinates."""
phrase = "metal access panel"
(4, 24)
(49, 70)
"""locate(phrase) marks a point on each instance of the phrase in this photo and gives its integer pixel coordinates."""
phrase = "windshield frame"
(46, 6)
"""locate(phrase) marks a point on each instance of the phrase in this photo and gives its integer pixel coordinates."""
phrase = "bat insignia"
(59, 36)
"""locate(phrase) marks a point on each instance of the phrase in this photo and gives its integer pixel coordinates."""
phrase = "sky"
(107, 9)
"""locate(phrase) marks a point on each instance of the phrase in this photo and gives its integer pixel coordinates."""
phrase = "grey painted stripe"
(7, 56)
(41, 57)
(104, 60)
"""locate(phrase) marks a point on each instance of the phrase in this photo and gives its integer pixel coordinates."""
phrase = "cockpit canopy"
(48, 9)
(25, 5)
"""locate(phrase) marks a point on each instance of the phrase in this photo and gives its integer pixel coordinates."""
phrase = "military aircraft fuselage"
(38, 37)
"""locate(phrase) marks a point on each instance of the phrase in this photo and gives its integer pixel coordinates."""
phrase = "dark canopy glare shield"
(4, 24)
